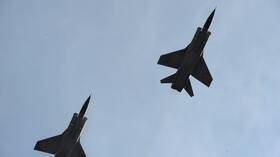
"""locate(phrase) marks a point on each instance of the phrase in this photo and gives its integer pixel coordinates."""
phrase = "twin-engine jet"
(68, 143)
(189, 61)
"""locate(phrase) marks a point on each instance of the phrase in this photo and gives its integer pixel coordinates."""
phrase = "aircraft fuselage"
(193, 53)
(71, 136)
(189, 61)
(68, 143)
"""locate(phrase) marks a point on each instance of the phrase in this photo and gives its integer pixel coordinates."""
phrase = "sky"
(55, 53)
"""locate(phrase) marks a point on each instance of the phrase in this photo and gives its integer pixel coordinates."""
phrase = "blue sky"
(55, 53)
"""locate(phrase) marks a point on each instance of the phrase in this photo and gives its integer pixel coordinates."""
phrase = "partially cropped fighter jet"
(189, 61)
(68, 143)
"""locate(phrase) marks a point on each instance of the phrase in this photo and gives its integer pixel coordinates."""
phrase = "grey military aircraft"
(189, 61)
(68, 143)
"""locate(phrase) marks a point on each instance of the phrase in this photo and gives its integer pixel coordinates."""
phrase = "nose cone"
(84, 108)
(209, 20)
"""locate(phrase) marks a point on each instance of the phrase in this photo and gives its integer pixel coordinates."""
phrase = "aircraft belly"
(191, 57)
(62, 153)
(184, 72)
(65, 148)
(180, 80)
(187, 67)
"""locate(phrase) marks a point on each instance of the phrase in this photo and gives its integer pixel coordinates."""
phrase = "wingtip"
(36, 146)
(159, 60)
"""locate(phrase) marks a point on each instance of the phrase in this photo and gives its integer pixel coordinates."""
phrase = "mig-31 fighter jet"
(189, 61)
(68, 143)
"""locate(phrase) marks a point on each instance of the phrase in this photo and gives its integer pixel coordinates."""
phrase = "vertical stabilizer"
(188, 88)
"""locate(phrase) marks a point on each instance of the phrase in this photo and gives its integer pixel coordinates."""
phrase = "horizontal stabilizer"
(188, 88)
(49, 145)
(168, 79)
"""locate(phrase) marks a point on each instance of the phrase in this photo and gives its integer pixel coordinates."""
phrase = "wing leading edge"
(173, 59)
(49, 145)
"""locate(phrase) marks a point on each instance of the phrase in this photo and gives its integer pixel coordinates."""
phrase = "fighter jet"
(68, 143)
(189, 61)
